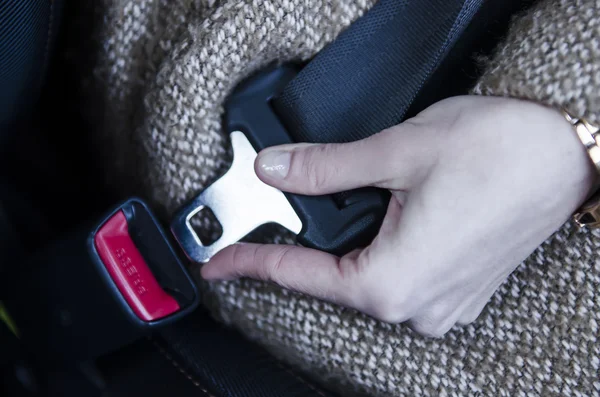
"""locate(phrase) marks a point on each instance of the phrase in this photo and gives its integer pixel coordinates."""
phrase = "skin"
(478, 183)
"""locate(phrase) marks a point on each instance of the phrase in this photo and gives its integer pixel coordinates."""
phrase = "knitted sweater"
(158, 80)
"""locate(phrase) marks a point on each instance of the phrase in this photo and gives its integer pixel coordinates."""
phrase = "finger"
(438, 317)
(395, 159)
(448, 308)
(308, 271)
(472, 311)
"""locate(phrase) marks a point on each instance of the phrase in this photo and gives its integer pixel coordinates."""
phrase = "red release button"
(130, 272)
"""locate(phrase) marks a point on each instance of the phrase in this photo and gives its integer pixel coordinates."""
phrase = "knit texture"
(551, 55)
(160, 76)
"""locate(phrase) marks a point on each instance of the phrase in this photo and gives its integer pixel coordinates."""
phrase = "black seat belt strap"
(366, 80)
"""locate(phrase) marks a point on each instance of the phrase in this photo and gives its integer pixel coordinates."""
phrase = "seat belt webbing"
(366, 80)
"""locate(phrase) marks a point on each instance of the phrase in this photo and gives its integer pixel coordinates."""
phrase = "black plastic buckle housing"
(68, 307)
(332, 224)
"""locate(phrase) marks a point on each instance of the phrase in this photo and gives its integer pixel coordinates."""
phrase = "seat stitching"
(49, 35)
(269, 358)
(181, 369)
(298, 377)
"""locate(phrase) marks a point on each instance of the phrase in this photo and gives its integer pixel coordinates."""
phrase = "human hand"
(477, 184)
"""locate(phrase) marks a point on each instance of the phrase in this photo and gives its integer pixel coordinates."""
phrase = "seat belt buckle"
(131, 248)
(103, 287)
(241, 201)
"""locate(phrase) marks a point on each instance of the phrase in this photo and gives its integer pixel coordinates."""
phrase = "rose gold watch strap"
(589, 134)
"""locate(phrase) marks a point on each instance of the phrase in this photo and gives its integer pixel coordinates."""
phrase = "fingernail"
(275, 164)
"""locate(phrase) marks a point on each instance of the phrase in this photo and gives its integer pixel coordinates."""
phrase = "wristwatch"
(588, 215)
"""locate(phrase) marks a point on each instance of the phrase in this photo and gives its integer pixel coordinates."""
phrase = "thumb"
(394, 159)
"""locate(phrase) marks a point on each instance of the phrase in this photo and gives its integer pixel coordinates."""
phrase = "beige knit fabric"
(551, 55)
(160, 77)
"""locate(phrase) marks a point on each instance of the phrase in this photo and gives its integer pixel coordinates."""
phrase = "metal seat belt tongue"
(369, 79)
(256, 205)
(241, 201)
